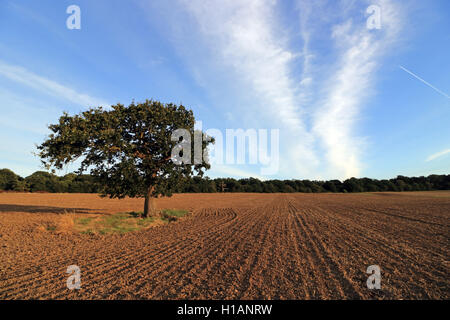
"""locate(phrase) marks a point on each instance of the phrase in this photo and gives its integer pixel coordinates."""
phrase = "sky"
(351, 91)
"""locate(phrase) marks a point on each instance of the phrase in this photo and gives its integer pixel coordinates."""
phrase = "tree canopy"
(8, 180)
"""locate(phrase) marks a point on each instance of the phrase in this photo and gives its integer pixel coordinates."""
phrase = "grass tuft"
(169, 215)
(51, 227)
(124, 222)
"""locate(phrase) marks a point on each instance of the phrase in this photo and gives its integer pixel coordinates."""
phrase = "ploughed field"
(231, 246)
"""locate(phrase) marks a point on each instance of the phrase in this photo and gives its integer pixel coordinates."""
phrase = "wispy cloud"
(438, 155)
(50, 87)
(349, 84)
(245, 37)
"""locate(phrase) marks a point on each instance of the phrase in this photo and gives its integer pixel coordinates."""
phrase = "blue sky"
(340, 93)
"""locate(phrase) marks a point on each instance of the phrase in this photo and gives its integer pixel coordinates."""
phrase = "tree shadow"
(44, 209)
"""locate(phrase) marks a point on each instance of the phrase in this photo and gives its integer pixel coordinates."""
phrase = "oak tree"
(129, 150)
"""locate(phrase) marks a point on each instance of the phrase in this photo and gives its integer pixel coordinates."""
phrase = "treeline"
(42, 181)
(401, 183)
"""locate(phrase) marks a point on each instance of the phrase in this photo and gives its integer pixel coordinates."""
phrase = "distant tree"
(278, 185)
(446, 182)
(21, 185)
(353, 185)
(8, 180)
(391, 186)
(232, 185)
(299, 186)
(269, 187)
(76, 183)
(212, 186)
(288, 189)
(43, 181)
(330, 186)
(401, 185)
(292, 184)
(127, 149)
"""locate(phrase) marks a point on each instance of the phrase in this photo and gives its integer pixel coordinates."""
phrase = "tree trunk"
(149, 206)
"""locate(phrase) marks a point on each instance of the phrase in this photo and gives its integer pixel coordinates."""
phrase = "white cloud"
(438, 155)
(50, 87)
(245, 36)
(347, 88)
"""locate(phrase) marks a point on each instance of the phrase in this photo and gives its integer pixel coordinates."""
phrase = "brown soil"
(232, 246)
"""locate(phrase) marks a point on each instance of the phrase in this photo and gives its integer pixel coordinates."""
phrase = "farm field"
(230, 246)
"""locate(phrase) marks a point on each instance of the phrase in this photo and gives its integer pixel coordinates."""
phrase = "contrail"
(428, 84)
